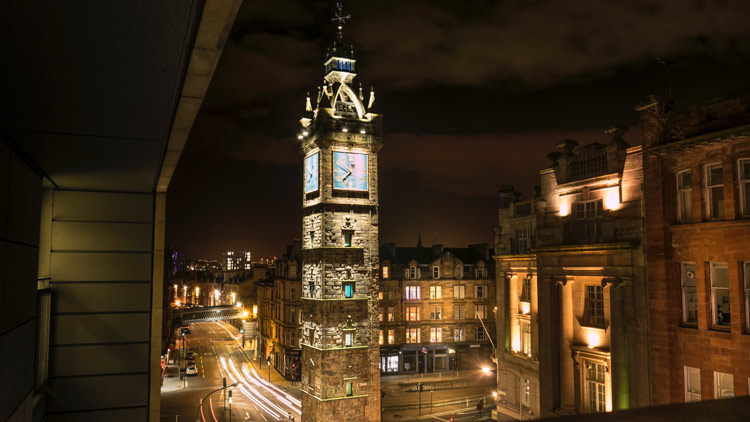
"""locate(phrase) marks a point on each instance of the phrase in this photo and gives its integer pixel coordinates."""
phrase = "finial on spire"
(372, 99)
(340, 18)
(308, 105)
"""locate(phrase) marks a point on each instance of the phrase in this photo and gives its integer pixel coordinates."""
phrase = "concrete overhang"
(102, 96)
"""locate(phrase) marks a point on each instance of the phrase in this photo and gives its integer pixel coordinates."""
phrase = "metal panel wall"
(101, 280)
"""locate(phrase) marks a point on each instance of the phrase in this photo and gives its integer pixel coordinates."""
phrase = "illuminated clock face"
(311, 173)
(349, 171)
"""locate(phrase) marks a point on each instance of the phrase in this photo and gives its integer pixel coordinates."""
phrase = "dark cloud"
(474, 93)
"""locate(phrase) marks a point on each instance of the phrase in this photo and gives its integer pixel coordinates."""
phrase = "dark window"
(594, 306)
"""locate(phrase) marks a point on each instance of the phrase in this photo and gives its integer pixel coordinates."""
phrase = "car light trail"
(254, 396)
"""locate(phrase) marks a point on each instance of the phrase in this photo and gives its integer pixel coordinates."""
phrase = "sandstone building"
(437, 307)
(571, 286)
(697, 197)
(340, 137)
(280, 314)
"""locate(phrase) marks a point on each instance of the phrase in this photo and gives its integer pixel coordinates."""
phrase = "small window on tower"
(349, 389)
(347, 239)
(348, 290)
(348, 340)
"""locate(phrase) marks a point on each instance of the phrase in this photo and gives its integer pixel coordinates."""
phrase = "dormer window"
(412, 272)
(435, 271)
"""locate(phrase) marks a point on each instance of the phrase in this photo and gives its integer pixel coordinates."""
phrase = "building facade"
(572, 259)
(697, 166)
(340, 138)
(237, 260)
(518, 305)
(280, 314)
(436, 308)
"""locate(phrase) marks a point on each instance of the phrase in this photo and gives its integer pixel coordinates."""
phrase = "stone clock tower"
(340, 137)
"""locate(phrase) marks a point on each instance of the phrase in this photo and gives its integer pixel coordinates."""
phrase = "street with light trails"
(218, 355)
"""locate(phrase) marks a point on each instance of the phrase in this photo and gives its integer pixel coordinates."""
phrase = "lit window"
(723, 385)
(459, 312)
(481, 311)
(478, 333)
(459, 291)
(380, 293)
(437, 312)
(594, 306)
(720, 295)
(744, 172)
(385, 271)
(349, 389)
(480, 291)
(348, 340)
(436, 292)
(412, 313)
(380, 316)
(348, 290)
(436, 334)
(715, 191)
(413, 293)
(347, 239)
(692, 384)
(391, 314)
(459, 334)
(380, 338)
(435, 271)
(391, 336)
(684, 196)
(595, 387)
(689, 294)
(412, 335)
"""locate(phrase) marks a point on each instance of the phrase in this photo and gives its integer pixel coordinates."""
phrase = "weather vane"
(340, 17)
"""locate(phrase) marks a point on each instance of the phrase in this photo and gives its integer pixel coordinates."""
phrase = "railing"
(588, 166)
(584, 231)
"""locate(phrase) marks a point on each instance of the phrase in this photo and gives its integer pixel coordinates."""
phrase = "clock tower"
(340, 137)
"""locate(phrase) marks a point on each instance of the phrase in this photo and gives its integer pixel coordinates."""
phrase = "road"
(218, 355)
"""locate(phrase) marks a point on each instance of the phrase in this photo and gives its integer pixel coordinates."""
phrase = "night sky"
(474, 95)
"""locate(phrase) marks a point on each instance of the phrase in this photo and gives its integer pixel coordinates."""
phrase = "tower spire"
(341, 20)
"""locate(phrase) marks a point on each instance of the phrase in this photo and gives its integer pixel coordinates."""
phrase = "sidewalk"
(172, 380)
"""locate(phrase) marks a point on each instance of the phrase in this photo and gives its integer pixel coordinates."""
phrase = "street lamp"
(200, 404)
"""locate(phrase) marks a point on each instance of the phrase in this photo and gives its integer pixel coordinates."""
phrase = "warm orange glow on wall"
(525, 308)
(593, 340)
(612, 200)
(564, 207)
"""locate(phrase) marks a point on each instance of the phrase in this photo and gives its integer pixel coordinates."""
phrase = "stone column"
(567, 374)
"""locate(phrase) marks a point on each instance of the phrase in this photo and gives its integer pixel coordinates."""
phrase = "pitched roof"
(427, 255)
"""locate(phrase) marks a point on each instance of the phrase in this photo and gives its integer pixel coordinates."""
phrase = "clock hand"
(347, 175)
